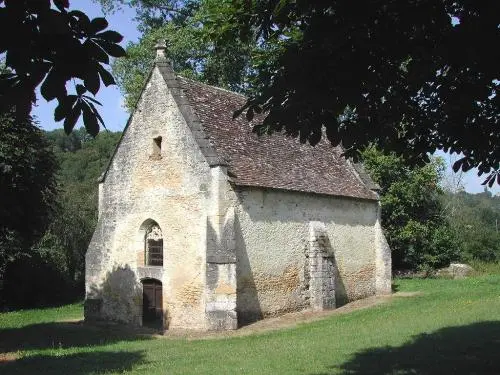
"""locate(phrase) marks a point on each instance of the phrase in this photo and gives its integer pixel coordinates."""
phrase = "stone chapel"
(205, 225)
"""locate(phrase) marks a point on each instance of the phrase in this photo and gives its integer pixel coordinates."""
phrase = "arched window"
(153, 244)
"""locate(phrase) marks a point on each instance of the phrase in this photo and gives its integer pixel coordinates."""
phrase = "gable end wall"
(174, 191)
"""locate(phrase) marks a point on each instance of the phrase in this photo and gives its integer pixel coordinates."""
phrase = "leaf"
(83, 19)
(456, 165)
(34, 6)
(39, 71)
(249, 114)
(72, 118)
(110, 36)
(92, 81)
(91, 99)
(332, 132)
(53, 86)
(106, 76)
(95, 51)
(96, 113)
(80, 89)
(279, 7)
(97, 24)
(110, 48)
(90, 120)
(64, 107)
(53, 23)
(238, 112)
(490, 180)
(61, 4)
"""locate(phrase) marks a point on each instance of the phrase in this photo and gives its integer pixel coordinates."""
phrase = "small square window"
(156, 149)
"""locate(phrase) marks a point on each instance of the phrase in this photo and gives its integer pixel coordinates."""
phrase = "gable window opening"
(154, 246)
(156, 148)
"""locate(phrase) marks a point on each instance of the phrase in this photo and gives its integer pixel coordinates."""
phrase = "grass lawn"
(452, 328)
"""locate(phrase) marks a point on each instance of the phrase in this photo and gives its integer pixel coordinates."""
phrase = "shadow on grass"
(472, 349)
(65, 335)
(394, 287)
(74, 364)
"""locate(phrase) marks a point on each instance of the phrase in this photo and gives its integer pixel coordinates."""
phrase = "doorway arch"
(152, 303)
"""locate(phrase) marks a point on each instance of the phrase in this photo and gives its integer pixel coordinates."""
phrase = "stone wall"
(320, 269)
(221, 256)
(273, 246)
(171, 188)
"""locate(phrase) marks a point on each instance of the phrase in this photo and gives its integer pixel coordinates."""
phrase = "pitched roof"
(276, 161)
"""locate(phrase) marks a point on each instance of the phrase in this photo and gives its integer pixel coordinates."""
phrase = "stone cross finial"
(161, 47)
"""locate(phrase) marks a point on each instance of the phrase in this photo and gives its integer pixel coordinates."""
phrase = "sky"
(112, 111)
(115, 116)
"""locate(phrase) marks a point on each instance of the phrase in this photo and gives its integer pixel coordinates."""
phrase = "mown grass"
(22, 318)
(452, 328)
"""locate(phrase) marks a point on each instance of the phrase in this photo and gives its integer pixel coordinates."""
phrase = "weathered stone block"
(220, 320)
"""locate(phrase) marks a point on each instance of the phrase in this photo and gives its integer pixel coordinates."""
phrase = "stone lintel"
(150, 272)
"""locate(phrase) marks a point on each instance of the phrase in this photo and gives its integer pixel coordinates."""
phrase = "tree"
(27, 187)
(413, 216)
(194, 52)
(152, 14)
(49, 46)
(50, 268)
(475, 219)
(410, 77)
(70, 231)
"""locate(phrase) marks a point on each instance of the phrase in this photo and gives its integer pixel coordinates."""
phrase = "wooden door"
(152, 303)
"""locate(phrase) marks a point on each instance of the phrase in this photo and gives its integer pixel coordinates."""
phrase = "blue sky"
(115, 116)
(112, 112)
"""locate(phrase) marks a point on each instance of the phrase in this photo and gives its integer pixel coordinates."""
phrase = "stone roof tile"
(276, 161)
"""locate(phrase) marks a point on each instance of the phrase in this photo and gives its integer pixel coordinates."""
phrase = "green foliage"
(152, 14)
(412, 214)
(27, 187)
(192, 46)
(80, 166)
(52, 46)
(417, 76)
(37, 278)
(475, 219)
(50, 268)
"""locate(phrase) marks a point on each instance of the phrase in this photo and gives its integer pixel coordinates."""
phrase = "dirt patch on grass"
(8, 357)
(408, 294)
(288, 320)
